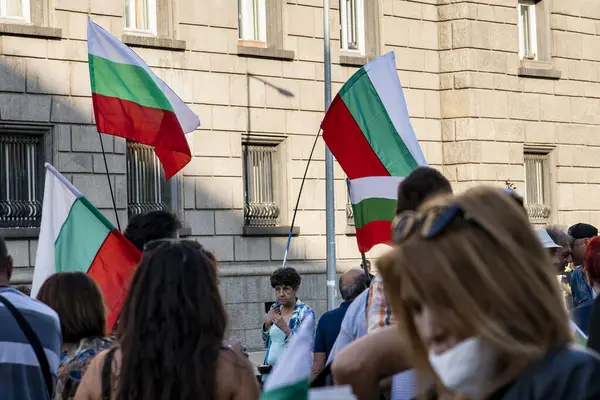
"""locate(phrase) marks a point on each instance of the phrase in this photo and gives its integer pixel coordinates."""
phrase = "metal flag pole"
(329, 187)
(289, 239)
(112, 194)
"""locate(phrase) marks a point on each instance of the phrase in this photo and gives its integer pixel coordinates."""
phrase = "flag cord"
(112, 194)
(289, 240)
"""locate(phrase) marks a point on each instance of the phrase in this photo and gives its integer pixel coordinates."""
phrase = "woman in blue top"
(285, 316)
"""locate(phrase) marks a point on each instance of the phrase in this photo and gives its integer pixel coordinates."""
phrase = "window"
(140, 16)
(352, 18)
(21, 180)
(527, 30)
(147, 188)
(252, 19)
(15, 9)
(260, 202)
(537, 186)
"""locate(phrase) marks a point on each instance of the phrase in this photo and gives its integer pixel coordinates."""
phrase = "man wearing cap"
(581, 234)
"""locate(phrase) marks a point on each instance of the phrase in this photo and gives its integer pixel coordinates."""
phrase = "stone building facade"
(502, 93)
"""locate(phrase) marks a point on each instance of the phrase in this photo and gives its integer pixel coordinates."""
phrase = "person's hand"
(270, 317)
(280, 323)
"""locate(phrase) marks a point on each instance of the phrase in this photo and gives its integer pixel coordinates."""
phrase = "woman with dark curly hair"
(171, 333)
(285, 316)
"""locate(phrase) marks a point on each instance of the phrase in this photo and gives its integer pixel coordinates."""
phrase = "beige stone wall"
(490, 114)
(458, 63)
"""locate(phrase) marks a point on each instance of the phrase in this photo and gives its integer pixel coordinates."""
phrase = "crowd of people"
(471, 302)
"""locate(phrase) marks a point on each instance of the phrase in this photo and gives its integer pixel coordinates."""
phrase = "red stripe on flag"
(348, 143)
(373, 233)
(112, 269)
(151, 126)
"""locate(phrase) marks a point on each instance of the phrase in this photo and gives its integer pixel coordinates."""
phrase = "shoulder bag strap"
(34, 341)
(106, 374)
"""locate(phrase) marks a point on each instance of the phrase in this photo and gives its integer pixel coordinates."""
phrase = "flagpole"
(329, 177)
(112, 194)
(289, 240)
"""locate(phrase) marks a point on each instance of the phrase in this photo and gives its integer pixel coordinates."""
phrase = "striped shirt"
(20, 374)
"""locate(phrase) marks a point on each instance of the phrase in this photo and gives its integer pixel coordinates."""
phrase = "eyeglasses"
(435, 221)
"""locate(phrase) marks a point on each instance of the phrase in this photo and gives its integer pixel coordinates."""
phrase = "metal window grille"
(21, 180)
(147, 188)
(260, 208)
(537, 200)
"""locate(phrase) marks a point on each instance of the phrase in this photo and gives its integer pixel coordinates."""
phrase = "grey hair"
(559, 236)
(351, 291)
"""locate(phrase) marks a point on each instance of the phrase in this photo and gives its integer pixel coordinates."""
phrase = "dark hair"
(79, 304)
(350, 292)
(152, 225)
(172, 325)
(419, 185)
(287, 277)
(26, 290)
(3, 248)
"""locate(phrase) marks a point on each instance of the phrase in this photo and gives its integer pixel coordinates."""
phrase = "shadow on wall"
(54, 96)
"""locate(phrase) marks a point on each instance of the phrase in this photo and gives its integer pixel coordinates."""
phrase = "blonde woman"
(475, 294)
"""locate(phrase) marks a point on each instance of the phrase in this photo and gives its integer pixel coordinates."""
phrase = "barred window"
(147, 188)
(537, 193)
(21, 180)
(260, 207)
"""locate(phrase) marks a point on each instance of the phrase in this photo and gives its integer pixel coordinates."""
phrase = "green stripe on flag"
(368, 111)
(70, 252)
(373, 209)
(296, 391)
(126, 82)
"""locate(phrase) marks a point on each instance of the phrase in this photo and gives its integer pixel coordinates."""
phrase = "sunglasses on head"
(434, 222)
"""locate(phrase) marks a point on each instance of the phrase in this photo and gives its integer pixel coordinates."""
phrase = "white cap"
(545, 239)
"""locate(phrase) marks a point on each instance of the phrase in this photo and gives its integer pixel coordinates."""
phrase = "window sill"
(353, 60)
(154, 42)
(350, 230)
(265, 52)
(538, 69)
(43, 32)
(20, 233)
(272, 231)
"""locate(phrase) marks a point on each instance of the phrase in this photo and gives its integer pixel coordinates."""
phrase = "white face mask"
(466, 368)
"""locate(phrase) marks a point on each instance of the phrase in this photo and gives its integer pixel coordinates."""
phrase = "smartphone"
(268, 305)
(264, 369)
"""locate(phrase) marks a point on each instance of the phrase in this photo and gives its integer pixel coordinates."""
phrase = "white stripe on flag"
(103, 44)
(384, 77)
(382, 187)
(58, 200)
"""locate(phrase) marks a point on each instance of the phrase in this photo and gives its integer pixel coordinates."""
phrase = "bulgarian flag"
(132, 102)
(368, 130)
(75, 236)
(374, 205)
